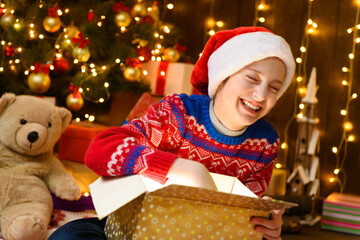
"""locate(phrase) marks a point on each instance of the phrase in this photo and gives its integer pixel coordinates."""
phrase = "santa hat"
(228, 51)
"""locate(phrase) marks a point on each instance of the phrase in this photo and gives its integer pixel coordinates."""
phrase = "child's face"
(249, 94)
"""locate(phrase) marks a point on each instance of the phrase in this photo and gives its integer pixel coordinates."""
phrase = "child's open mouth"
(250, 105)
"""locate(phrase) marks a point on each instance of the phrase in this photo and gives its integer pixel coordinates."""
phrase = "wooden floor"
(316, 233)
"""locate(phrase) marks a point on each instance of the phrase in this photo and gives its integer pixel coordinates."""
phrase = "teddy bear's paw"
(70, 193)
(26, 228)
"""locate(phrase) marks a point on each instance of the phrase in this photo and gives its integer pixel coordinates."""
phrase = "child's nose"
(260, 93)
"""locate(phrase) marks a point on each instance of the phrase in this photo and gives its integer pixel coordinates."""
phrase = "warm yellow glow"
(300, 115)
(210, 22)
(348, 126)
(51, 67)
(106, 84)
(153, 58)
(299, 79)
(76, 61)
(344, 82)
(301, 106)
(298, 60)
(345, 69)
(283, 145)
(86, 115)
(343, 112)
(220, 24)
(94, 74)
(262, 19)
(1, 69)
(349, 30)
(354, 95)
(158, 59)
(357, 39)
(99, 24)
(17, 26)
(170, 6)
(41, 36)
(103, 68)
(81, 90)
(101, 100)
(145, 73)
(156, 35)
(332, 179)
(351, 138)
(302, 91)
(103, 17)
(92, 65)
(67, 10)
(261, 6)
(162, 73)
(278, 165)
(77, 119)
(310, 30)
(91, 118)
(3, 42)
(19, 49)
(166, 29)
(336, 171)
(117, 60)
(309, 21)
(26, 72)
(303, 49)
(211, 32)
(351, 56)
(314, 25)
(59, 12)
(357, 2)
(334, 149)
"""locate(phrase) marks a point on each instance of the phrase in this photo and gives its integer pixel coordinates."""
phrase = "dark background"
(328, 51)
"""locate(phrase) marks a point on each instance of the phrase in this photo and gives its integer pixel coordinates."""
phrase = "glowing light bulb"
(332, 179)
(170, 6)
(283, 145)
(349, 30)
(351, 56)
(301, 106)
(344, 82)
(348, 126)
(310, 21)
(351, 138)
(91, 118)
(354, 95)
(345, 69)
(299, 79)
(261, 6)
(303, 49)
(298, 60)
(334, 149)
(262, 19)
(343, 112)
(336, 171)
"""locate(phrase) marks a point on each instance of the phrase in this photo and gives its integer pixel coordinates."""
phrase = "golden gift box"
(140, 208)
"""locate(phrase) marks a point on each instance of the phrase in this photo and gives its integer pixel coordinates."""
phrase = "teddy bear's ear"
(6, 99)
(65, 117)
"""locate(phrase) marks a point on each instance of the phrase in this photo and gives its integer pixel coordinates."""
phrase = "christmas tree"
(81, 51)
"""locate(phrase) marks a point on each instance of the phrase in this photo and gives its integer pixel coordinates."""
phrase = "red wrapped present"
(76, 139)
(142, 105)
(166, 78)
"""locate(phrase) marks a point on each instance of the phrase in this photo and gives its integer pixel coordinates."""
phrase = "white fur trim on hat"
(244, 49)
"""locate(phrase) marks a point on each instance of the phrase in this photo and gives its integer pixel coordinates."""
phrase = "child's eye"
(252, 78)
(275, 89)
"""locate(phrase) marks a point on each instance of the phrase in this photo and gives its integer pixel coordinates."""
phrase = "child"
(242, 73)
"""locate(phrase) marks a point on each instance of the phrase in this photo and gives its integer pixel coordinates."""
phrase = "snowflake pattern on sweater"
(180, 126)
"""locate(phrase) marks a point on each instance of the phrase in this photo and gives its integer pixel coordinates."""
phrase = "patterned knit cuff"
(159, 165)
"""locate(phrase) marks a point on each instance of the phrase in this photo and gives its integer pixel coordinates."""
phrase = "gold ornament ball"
(7, 20)
(132, 73)
(139, 10)
(171, 54)
(52, 24)
(122, 19)
(81, 54)
(72, 31)
(39, 82)
(74, 103)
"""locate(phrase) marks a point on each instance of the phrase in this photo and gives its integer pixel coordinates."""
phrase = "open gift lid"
(111, 193)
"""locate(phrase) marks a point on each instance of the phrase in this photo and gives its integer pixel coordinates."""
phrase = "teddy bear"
(29, 170)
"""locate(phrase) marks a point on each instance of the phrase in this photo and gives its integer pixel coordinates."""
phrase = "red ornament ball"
(91, 16)
(60, 64)
(147, 19)
(144, 52)
(9, 51)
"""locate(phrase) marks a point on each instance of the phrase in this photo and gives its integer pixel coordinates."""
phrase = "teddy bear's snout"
(33, 136)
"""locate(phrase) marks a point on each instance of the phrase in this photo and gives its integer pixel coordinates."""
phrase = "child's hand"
(271, 228)
(190, 173)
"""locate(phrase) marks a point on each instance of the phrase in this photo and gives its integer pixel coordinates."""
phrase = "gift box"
(341, 213)
(166, 78)
(142, 105)
(76, 139)
(150, 210)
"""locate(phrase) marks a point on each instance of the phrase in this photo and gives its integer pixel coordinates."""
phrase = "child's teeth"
(251, 106)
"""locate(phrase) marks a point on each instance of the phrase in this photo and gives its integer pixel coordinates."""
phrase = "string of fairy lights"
(301, 74)
(340, 150)
(260, 6)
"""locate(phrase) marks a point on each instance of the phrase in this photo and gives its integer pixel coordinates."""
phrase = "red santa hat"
(228, 51)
